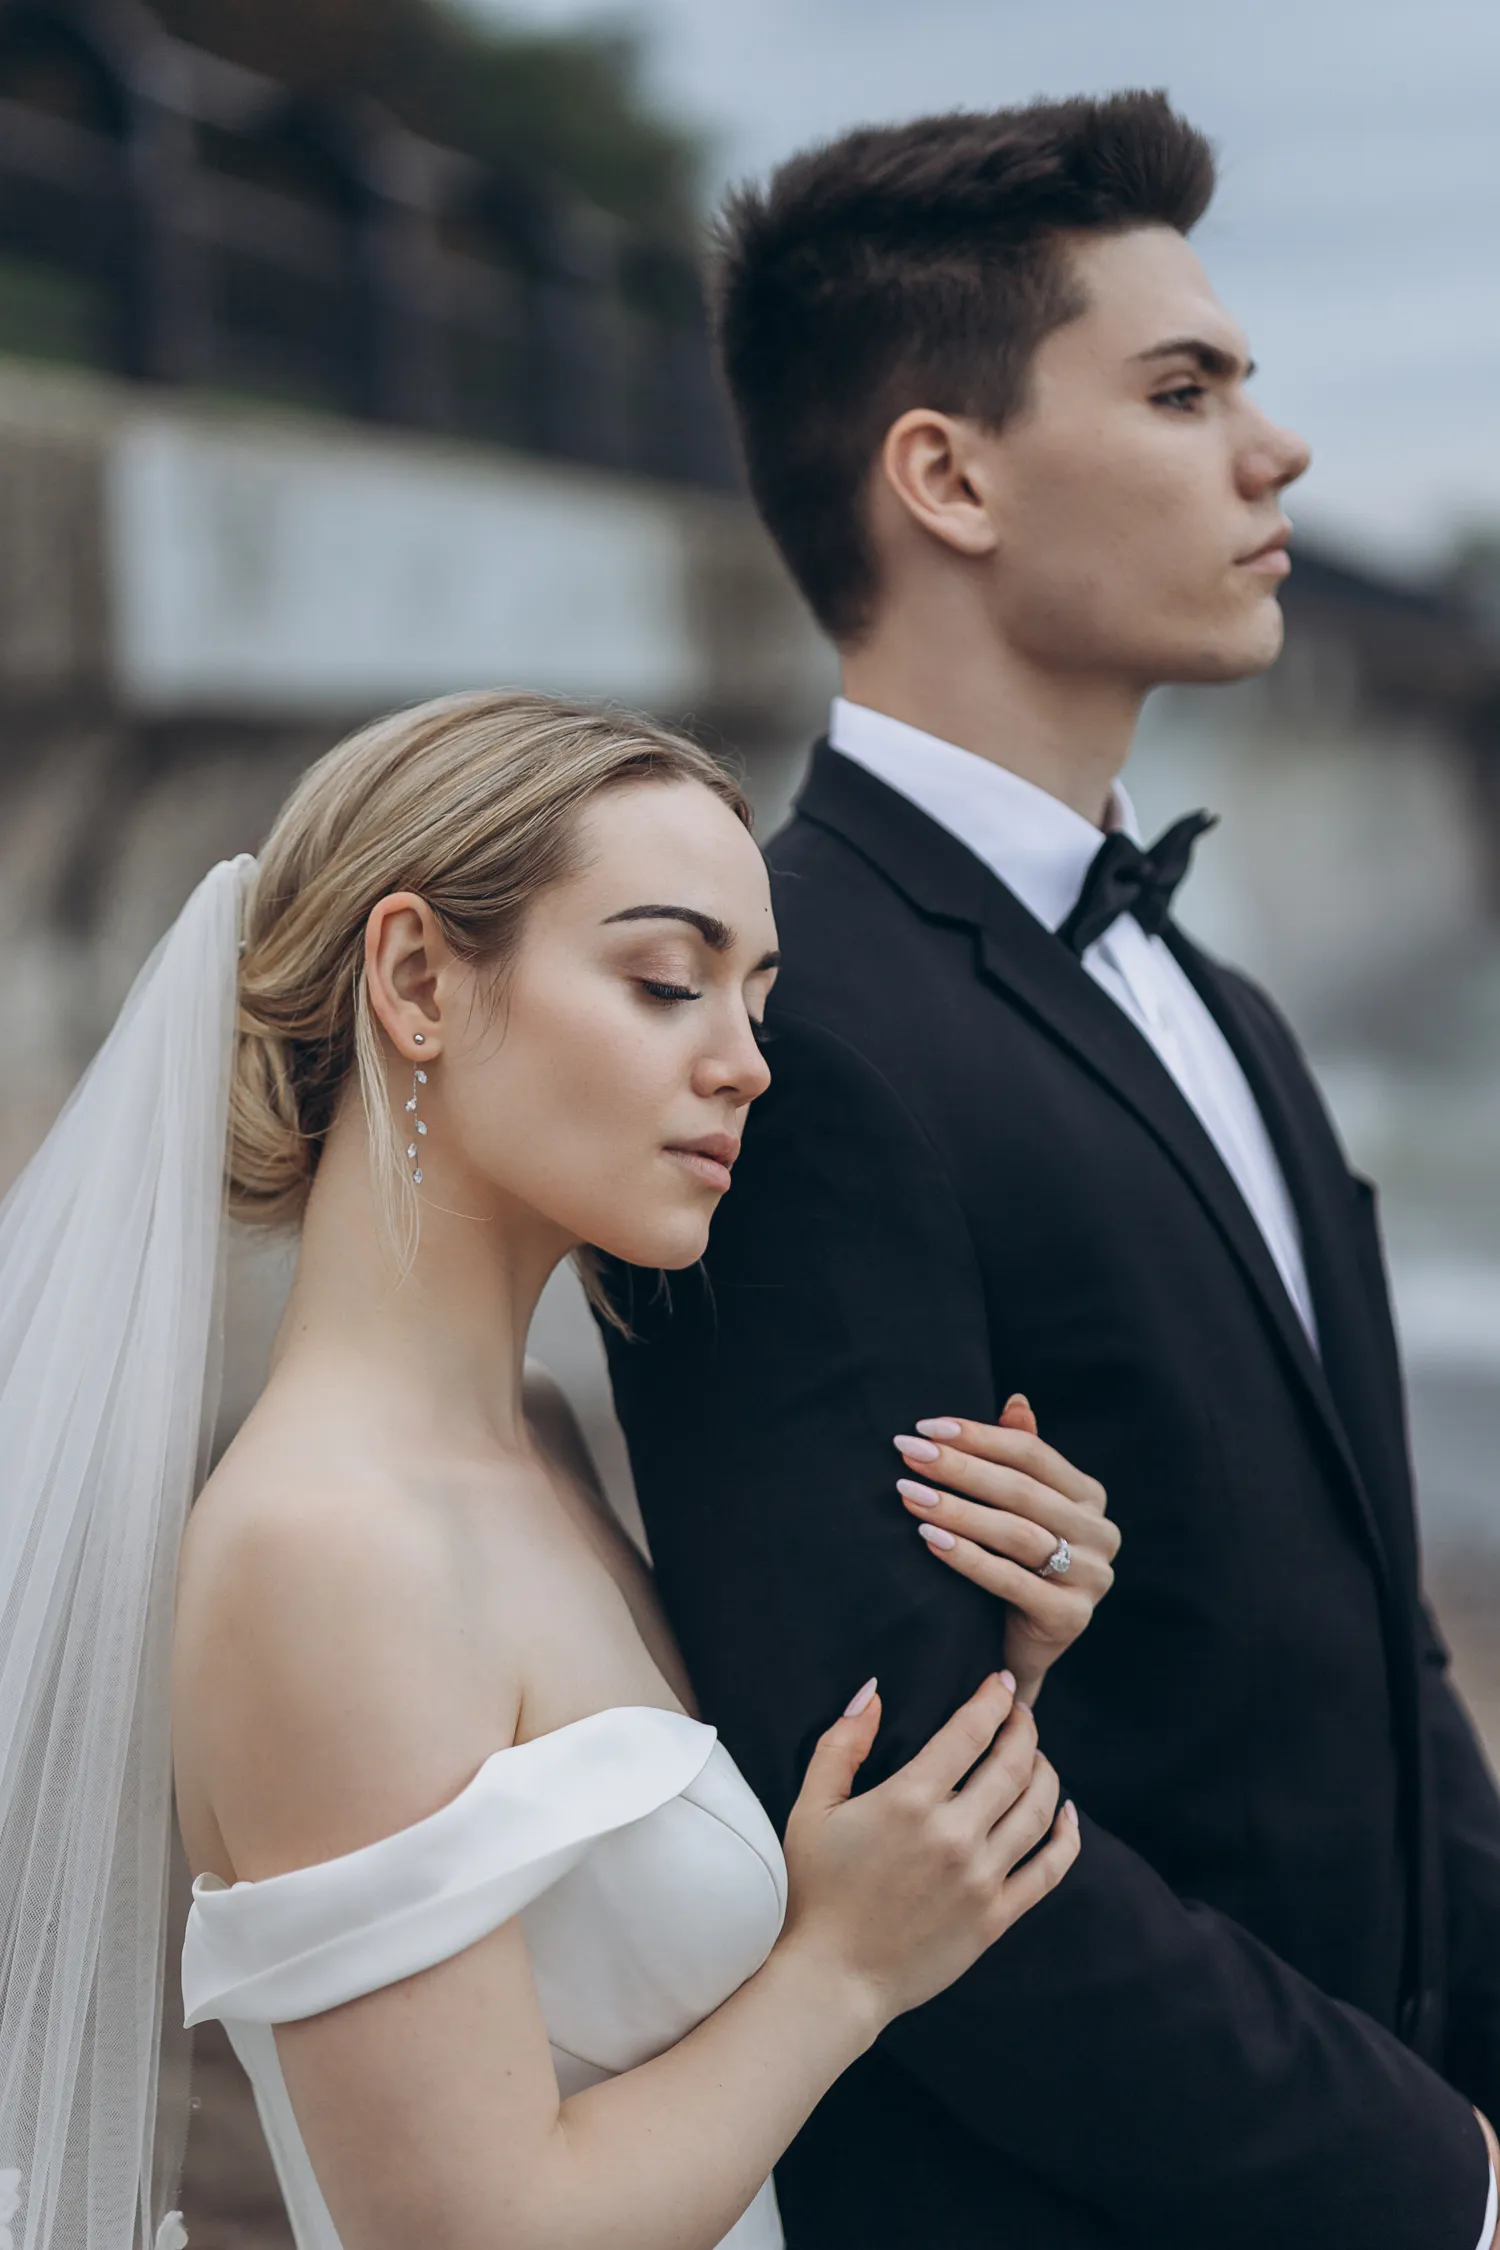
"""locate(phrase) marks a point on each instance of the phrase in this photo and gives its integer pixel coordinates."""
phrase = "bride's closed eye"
(668, 993)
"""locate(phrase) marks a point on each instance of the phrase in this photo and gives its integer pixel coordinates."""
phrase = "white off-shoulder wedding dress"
(649, 1883)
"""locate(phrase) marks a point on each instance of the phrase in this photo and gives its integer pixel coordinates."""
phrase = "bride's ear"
(406, 955)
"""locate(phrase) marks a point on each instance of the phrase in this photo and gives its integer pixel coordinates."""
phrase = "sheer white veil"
(110, 1256)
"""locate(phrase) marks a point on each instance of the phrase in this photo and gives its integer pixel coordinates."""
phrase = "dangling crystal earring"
(419, 1130)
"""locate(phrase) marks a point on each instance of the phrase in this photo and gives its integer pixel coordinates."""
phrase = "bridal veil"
(110, 1257)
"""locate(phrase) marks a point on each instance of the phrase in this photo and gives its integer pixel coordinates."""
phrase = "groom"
(1024, 1135)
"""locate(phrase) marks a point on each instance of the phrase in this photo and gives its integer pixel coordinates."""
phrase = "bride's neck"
(442, 1347)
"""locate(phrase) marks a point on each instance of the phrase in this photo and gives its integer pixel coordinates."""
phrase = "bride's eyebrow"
(714, 933)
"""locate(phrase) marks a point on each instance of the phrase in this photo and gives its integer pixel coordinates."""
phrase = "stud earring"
(419, 1130)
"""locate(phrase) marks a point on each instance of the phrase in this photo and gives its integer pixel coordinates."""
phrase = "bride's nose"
(737, 1068)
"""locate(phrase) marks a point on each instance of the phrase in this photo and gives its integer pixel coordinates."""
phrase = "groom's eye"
(1181, 398)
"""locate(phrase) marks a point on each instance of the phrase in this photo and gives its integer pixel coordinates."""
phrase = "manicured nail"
(922, 1494)
(1008, 1680)
(1071, 1811)
(935, 1535)
(942, 1426)
(861, 1701)
(1017, 1398)
(915, 1448)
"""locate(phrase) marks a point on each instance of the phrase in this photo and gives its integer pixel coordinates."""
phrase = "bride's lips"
(711, 1157)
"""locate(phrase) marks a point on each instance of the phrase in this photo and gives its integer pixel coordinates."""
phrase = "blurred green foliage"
(570, 105)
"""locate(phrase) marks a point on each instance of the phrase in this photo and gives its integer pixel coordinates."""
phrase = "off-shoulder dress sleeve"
(297, 1944)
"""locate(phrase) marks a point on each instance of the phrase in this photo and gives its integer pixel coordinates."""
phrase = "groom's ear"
(937, 473)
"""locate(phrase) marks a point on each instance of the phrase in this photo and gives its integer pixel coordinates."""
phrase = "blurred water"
(1415, 1085)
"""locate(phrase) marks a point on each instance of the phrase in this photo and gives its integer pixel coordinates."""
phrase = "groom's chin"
(1241, 653)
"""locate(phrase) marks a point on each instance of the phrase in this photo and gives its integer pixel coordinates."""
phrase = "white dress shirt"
(1042, 850)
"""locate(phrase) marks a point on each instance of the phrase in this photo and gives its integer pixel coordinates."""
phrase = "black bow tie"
(1125, 880)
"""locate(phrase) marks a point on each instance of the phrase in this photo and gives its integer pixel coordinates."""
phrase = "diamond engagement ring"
(1059, 1562)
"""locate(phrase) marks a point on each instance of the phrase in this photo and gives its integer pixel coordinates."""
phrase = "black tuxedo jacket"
(1259, 2006)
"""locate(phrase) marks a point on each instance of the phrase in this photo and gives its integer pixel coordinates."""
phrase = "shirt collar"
(1039, 847)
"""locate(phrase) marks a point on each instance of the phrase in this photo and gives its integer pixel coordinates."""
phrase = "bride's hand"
(1006, 1503)
(900, 1890)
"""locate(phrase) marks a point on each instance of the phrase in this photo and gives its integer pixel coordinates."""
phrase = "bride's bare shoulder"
(279, 1515)
(337, 1672)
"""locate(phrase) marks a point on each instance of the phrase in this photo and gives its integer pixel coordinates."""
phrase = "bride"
(508, 1950)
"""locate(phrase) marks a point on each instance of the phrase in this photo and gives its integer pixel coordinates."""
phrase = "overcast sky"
(1357, 228)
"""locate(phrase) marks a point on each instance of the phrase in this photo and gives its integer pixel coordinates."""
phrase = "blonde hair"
(470, 801)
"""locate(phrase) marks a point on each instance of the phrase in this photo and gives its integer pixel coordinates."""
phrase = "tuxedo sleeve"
(1141, 2052)
(1469, 1823)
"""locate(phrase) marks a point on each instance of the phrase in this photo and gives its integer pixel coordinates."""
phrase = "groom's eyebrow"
(1211, 359)
(714, 933)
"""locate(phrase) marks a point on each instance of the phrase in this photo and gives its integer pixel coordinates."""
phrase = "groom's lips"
(1271, 555)
(711, 1157)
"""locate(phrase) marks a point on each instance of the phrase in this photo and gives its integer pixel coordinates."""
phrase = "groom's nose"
(1271, 459)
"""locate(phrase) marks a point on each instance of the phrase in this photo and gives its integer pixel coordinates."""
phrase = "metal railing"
(138, 251)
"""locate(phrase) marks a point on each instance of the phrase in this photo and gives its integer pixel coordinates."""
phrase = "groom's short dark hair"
(917, 265)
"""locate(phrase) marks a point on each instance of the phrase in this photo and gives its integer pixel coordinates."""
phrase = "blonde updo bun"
(470, 801)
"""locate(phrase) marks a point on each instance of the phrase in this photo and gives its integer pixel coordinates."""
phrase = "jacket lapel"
(944, 880)
(1359, 1368)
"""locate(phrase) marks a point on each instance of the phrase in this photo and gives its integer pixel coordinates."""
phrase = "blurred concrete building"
(1357, 780)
